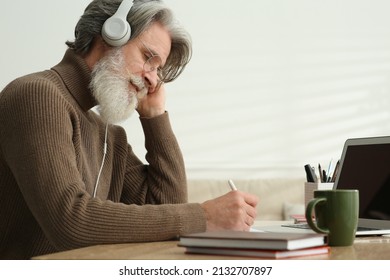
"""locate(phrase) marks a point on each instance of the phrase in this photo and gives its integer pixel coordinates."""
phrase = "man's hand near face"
(153, 104)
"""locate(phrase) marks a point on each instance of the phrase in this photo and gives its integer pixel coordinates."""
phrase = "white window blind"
(273, 84)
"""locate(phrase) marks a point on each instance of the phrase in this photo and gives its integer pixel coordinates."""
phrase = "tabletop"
(364, 248)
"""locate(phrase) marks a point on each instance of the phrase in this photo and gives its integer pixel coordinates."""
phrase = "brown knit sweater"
(51, 148)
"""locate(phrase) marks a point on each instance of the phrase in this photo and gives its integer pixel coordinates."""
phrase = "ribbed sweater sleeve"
(165, 172)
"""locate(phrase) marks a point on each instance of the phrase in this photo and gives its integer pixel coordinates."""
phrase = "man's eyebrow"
(153, 52)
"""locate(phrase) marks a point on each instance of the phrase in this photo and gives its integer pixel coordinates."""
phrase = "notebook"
(364, 165)
(252, 240)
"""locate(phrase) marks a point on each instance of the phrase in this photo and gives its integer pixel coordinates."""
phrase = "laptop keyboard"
(306, 226)
(301, 226)
(366, 229)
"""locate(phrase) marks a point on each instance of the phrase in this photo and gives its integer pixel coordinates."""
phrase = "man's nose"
(151, 80)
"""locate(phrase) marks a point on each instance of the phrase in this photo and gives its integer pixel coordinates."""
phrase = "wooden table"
(364, 248)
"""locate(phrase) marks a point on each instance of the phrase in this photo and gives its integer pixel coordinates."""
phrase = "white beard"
(110, 87)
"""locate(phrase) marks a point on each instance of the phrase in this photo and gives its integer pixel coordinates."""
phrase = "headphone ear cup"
(116, 31)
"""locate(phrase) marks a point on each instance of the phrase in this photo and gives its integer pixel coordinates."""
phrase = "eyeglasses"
(153, 63)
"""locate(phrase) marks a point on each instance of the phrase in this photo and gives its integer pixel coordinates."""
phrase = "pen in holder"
(311, 187)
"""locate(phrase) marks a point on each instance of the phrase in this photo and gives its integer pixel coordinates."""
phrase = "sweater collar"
(76, 76)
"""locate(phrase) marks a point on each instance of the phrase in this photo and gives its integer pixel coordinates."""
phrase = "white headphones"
(116, 30)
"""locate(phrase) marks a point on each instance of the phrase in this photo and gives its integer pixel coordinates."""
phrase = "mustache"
(137, 81)
(140, 84)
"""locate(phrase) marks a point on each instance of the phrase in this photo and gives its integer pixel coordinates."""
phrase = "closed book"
(259, 253)
(253, 240)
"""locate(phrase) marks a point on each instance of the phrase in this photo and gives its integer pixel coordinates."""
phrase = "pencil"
(232, 185)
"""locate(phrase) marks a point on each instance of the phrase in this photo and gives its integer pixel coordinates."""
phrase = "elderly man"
(68, 177)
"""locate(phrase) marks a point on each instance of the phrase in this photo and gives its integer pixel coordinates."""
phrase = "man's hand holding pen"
(236, 210)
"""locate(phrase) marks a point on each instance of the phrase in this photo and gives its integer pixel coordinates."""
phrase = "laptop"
(364, 165)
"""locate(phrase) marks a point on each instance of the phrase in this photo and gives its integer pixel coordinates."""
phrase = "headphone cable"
(101, 167)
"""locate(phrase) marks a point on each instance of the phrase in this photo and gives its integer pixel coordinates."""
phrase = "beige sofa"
(279, 198)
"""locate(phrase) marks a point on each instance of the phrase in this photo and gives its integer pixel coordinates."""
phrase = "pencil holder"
(311, 187)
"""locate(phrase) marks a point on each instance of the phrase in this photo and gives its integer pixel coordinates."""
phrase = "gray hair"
(140, 17)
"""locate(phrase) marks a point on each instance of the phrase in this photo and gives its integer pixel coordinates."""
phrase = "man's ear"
(98, 49)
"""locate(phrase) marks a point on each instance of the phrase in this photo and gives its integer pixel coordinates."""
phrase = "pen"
(231, 184)
(336, 169)
(310, 174)
(328, 178)
(320, 172)
(324, 176)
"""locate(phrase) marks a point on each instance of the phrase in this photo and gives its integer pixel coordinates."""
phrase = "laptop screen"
(366, 167)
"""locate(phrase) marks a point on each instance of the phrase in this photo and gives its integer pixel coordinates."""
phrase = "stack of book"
(255, 244)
